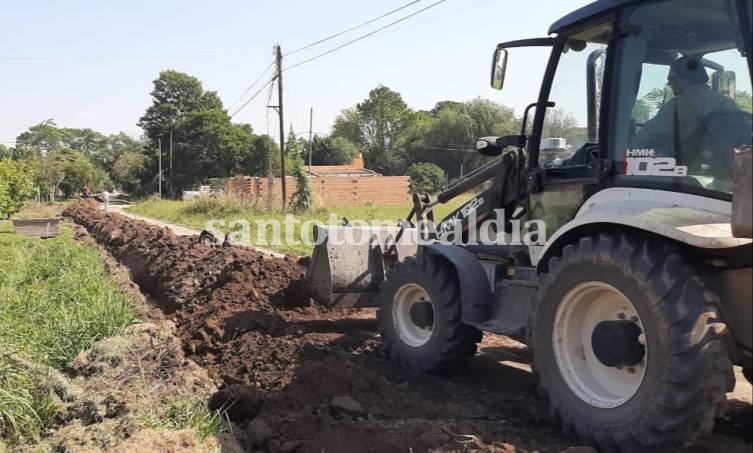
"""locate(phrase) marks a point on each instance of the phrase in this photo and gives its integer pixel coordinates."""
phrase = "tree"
(443, 105)
(89, 142)
(205, 142)
(175, 95)
(449, 126)
(39, 140)
(559, 123)
(490, 118)
(347, 126)
(16, 186)
(426, 177)
(744, 100)
(52, 146)
(263, 149)
(332, 151)
(5, 153)
(67, 171)
(127, 169)
(207, 145)
(381, 119)
(302, 198)
(641, 111)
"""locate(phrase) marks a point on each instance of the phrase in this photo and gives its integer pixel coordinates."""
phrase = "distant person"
(106, 198)
(680, 122)
(88, 192)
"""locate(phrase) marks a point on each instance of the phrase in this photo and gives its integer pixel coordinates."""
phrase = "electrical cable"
(441, 16)
(254, 96)
(252, 85)
(364, 36)
(114, 57)
(308, 46)
(467, 150)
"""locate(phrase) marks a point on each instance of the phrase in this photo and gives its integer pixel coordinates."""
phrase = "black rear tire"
(687, 368)
(451, 342)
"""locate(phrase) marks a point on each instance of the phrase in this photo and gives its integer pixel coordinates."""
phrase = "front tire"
(628, 346)
(420, 316)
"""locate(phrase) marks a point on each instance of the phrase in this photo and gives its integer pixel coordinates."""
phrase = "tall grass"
(188, 414)
(26, 403)
(56, 300)
(196, 213)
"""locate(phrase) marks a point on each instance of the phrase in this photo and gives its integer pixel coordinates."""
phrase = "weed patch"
(188, 414)
(56, 300)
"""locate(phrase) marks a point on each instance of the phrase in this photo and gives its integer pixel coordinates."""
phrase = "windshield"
(682, 96)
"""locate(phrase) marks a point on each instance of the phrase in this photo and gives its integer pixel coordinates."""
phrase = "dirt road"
(309, 379)
(179, 230)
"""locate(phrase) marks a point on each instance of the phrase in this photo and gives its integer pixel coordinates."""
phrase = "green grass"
(196, 214)
(56, 300)
(188, 414)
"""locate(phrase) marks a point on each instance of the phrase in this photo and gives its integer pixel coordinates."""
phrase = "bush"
(302, 198)
(16, 186)
(216, 183)
(426, 177)
(213, 207)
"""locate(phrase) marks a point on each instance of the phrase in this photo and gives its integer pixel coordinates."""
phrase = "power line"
(438, 148)
(441, 16)
(252, 85)
(254, 96)
(365, 36)
(113, 57)
(308, 46)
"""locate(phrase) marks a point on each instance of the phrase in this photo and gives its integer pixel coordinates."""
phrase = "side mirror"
(499, 67)
(723, 82)
(493, 146)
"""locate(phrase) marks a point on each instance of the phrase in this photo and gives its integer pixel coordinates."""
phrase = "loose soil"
(300, 377)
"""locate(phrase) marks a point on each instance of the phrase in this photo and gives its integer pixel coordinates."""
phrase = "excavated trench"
(304, 378)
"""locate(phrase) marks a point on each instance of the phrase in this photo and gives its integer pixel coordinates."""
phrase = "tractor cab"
(637, 95)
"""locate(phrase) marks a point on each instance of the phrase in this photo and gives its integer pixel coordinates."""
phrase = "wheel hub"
(422, 314)
(617, 343)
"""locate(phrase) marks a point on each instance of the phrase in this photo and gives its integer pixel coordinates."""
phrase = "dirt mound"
(230, 304)
(121, 383)
(302, 378)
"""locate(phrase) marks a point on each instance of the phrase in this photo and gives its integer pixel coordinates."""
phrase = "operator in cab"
(680, 122)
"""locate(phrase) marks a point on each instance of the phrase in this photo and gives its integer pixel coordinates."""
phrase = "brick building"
(332, 185)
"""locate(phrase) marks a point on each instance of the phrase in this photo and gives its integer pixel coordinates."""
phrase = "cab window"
(681, 96)
(576, 92)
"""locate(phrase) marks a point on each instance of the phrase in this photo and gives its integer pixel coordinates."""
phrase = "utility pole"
(311, 133)
(159, 173)
(282, 127)
(172, 189)
(270, 176)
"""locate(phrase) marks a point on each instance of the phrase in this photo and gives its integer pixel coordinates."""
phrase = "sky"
(90, 64)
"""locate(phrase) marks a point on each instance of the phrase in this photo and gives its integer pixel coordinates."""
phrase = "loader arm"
(500, 184)
(349, 263)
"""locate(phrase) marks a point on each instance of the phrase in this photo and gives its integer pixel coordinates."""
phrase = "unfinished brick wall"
(329, 190)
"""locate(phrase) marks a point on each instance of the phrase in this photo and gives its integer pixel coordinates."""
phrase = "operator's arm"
(658, 130)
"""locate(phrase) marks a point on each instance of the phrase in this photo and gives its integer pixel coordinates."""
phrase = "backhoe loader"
(635, 296)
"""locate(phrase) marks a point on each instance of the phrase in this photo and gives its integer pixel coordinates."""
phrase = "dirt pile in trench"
(304, 378)
(233, 306)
